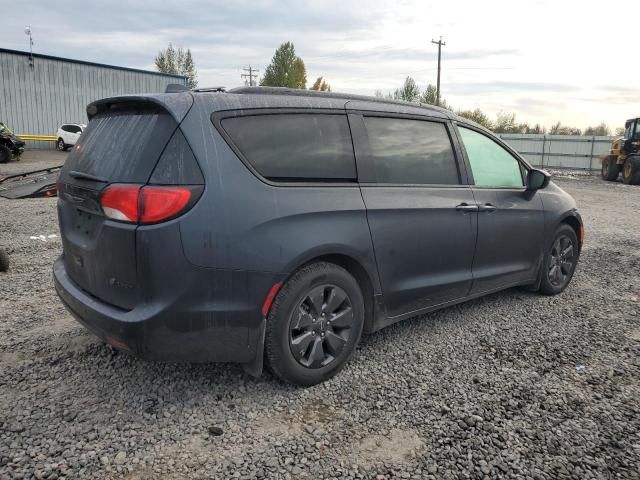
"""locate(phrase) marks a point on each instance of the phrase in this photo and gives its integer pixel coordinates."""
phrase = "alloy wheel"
(321, 326)
(562, 261)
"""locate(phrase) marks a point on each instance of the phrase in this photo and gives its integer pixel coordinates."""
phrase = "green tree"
(506, 123)
(538, 129)
(559, 129)
(619, 131)
(409, 92)
(601, 129)
(477, 116)
(429, 95)
(188, 69)
(322, 86)
(286, 69)
(178, 61)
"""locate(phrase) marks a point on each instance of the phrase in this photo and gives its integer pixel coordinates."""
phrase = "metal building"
(39, 93)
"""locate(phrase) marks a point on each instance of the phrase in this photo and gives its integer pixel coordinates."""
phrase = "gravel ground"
(514, 385)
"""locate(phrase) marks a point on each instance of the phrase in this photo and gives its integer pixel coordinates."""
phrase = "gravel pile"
(514, 385)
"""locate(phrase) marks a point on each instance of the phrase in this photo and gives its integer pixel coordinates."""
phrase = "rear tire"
(314, 324)
(560, 261)
(60, 145)
(631, 171)
(610, 169)
(4, 260)
(5, 154)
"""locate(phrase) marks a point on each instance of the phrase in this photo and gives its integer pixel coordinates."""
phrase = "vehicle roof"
(279, 97)
(247, 98)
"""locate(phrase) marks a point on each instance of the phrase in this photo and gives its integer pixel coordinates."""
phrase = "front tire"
(5, 154)
(60, 145)
(610, 169)
(631, 170)
(314, 324)
(560, 261)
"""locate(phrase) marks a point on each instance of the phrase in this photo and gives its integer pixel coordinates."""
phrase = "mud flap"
(254, 368)
(534, 287)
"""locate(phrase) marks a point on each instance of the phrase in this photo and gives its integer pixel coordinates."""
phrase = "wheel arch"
(361, 275)
(575, 222)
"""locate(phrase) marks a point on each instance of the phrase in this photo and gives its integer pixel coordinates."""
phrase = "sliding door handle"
(465, 207)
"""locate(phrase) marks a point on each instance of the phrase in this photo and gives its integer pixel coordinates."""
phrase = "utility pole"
(440, 44)
(27, 31)
(252, 73)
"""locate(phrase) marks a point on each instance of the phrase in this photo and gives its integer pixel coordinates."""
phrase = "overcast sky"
(543, 60)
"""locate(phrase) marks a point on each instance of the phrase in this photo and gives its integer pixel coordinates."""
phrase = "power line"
(252, 73)
(440, 44)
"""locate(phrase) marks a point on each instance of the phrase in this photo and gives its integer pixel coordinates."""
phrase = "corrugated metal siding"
(560, 151)
(38, 100)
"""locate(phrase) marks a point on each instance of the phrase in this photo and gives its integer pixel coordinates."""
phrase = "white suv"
(68, 135)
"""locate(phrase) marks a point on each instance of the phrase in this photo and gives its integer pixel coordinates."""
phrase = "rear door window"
(295, 147)
(122, 146)
(405, 151)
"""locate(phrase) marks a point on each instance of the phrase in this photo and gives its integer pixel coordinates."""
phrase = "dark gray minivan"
(279, 225)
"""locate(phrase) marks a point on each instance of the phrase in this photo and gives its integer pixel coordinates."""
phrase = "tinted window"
(295, 146)
(65, 128)
(122, 146)
(411, 151)
(491, 164)
(177, 165)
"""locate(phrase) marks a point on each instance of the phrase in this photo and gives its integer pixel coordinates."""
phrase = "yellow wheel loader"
(624, 155)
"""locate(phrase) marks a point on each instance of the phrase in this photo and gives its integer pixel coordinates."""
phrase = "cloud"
(471, 88)
(527, 59)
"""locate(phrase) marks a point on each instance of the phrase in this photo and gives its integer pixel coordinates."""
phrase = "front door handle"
(465, 207)
(487, 207)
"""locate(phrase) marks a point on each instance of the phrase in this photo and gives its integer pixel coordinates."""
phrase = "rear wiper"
(86, 176)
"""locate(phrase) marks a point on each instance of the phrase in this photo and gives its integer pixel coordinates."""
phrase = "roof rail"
(210, 89)
(298, 92)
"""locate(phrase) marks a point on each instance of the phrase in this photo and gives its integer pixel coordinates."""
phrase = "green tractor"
(624, 156)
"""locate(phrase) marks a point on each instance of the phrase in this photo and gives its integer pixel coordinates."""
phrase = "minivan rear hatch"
(121, 144)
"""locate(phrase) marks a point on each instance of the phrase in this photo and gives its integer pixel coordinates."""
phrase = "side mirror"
(537, 179)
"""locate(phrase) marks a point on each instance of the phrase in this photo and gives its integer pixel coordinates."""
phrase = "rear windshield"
(122, 146)
(295, 147)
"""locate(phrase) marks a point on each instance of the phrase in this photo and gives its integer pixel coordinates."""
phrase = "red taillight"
(120, 202)
(160, 203)
(150, 204)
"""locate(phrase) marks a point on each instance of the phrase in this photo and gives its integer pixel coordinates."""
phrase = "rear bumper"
(189, 328)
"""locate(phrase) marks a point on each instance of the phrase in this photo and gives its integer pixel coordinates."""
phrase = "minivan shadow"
(105, 363)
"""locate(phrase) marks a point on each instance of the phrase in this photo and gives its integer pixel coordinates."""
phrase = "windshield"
(628, 130)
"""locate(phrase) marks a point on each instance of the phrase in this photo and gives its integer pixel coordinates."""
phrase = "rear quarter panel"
(243, 223)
